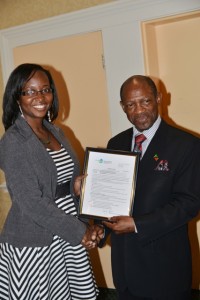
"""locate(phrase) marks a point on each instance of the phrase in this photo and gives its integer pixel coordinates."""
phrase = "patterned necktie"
(139, 139)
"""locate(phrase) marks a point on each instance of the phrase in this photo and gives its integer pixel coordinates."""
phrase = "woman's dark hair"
(16, 82)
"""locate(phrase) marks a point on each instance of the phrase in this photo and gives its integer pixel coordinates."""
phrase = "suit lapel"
(155, 146)
(128, 140)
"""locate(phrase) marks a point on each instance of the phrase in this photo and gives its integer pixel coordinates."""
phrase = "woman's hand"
(89, 239)
(92, 236)
(77, 184)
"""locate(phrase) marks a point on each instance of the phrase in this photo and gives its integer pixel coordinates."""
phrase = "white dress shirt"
(149, 133)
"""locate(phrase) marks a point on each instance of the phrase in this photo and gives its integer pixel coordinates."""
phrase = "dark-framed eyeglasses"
(33, 93)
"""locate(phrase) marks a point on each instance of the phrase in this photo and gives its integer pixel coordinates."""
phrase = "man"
(151, 256)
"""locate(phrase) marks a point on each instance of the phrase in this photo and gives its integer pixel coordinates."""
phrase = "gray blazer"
(31, 179)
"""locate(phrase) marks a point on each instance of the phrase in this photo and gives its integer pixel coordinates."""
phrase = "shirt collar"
(149, 133)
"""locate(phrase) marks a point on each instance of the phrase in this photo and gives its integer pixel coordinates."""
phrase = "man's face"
(140, 104)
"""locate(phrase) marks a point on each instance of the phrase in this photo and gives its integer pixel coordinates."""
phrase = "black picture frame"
(108, 171)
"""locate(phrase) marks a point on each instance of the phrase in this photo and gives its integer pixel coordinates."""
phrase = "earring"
(20, 109)
(49, 116)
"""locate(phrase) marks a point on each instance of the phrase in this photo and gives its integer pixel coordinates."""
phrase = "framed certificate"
(109, 188)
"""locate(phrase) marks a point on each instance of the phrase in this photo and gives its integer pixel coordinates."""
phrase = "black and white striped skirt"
(56, 272)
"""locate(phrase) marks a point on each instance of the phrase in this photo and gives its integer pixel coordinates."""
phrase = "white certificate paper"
(108, 190)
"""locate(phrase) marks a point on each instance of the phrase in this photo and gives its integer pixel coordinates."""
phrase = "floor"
(107, 294)
(195, 295)
(110, 294)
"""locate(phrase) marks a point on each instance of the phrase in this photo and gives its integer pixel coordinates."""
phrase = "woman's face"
(37, 97)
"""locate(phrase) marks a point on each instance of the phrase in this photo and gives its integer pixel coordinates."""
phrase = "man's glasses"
(33, 93)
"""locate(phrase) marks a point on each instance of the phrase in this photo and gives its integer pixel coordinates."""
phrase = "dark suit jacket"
(157, 259)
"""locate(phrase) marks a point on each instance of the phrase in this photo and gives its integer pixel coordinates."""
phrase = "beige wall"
(17, 12)
(172, 48)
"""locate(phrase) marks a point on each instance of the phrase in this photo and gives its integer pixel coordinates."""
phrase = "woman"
(42, 250)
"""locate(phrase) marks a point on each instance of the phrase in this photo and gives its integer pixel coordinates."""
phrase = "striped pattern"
(64, 164)
(149, 133)
(55, 272)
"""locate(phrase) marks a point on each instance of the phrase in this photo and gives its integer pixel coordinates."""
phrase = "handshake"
(92, 236)
(94, 233)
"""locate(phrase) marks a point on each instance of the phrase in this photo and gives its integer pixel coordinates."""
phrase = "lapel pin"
(156, 157)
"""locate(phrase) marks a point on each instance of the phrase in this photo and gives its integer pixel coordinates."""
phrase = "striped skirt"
(56, 272)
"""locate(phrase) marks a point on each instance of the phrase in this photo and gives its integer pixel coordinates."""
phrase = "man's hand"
(121, 224)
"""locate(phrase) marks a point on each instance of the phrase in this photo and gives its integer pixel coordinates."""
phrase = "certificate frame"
(108, 171)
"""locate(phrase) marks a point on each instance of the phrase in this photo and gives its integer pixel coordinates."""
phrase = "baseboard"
(195, 295)
(110, 294)
(107, 294)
